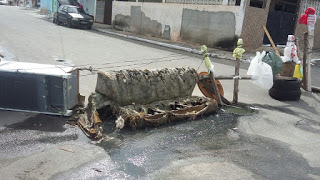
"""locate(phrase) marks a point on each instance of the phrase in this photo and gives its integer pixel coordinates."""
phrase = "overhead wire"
(92, 70)
(111, 63)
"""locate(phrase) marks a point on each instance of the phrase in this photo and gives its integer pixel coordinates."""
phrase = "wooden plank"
(304, 63)
(236, 83)
(315, 89)
(228, 77)
(270, 39)
(215, 88)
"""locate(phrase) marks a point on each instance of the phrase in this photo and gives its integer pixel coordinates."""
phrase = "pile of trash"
(139, 99)
(280, 75)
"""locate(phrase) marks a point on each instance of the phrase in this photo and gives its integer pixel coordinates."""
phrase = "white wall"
(171, 14)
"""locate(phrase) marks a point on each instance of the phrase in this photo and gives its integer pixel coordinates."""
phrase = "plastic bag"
(254, 62)
(290, 54)
(298, 71)
(263, 77)
(311, 21)
(261, 72)
(275, 61)
(308, 18)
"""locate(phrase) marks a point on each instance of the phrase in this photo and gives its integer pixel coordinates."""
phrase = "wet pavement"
(166, 151)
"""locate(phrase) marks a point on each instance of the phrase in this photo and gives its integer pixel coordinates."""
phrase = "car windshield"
(75, 10)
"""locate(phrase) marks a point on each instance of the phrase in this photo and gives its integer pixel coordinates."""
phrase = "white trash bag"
(253, 64)
(261, 72)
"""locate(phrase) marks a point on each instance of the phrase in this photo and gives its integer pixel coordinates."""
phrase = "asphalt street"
(277, 140)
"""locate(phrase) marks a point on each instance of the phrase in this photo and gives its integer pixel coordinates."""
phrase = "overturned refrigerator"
(144, 98)
(40, 88)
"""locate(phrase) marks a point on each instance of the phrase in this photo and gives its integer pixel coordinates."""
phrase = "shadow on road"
(41, 122)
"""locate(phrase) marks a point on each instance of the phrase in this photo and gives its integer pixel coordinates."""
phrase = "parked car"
(4, 2)
(73, 16)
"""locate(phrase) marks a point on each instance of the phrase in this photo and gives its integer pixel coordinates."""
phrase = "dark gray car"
(73, 16)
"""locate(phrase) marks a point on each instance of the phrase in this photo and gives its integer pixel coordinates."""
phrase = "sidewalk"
(183, 46)
(187, 47)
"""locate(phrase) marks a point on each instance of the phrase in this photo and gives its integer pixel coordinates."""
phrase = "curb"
(176, 47)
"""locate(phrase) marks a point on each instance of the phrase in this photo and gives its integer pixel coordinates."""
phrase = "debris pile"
(144, 98)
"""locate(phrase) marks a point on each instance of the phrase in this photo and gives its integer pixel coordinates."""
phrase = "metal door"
(281, 20)
(108, 11)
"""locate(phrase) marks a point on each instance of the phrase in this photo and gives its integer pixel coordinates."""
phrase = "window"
(64, 8)
(60, 8)
(258, 3)
(238, 2)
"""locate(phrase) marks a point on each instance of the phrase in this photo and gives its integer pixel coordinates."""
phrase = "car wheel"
(282, 95)
(89, 27)
(57, 21)
(70, 23)
(54, 20)
(287, 83)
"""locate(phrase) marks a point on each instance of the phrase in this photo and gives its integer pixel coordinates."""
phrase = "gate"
(281, 20)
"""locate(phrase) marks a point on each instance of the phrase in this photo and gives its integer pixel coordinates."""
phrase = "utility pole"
(308, 18)
(309, 56)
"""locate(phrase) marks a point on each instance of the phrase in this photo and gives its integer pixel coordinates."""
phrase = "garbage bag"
(298, 71)
(254, 62)
(290, 54)
(303, 19)
(263, 76)
(275, 61)
(261, 72)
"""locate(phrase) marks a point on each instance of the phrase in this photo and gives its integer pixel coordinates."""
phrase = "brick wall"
(252, 31)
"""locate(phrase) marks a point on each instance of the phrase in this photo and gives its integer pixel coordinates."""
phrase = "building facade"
(50, 6)
(216, 23)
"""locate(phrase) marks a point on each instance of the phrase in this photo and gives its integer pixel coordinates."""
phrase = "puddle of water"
(240, 109)
(173, 141)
